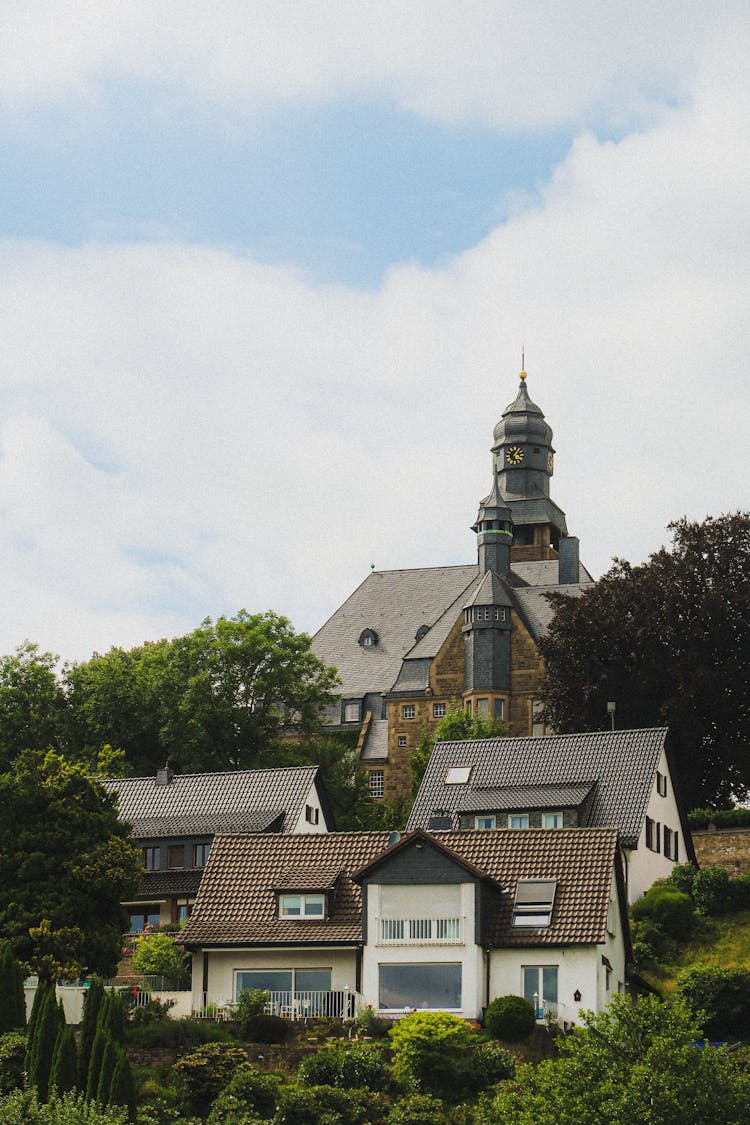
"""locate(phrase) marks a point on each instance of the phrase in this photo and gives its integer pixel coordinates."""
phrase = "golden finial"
(523, 363)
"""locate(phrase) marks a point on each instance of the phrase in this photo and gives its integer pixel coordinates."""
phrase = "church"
(408, 644)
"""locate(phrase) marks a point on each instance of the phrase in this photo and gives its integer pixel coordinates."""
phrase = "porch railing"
(297, 1005)
(420, 931)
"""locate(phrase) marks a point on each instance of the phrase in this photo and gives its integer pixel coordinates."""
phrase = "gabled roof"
(236, 903)
(517, 798)
(203, 804)
(622, 763)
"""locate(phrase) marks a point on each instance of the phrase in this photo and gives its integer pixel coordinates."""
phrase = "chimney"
(568, 552)
(164, 776)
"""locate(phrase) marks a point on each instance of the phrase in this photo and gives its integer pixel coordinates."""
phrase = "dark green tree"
(64, 1072)
(101, 1039)
(92, 1002)
(122, 1087)
(107, 1066)
(65, 858)
(457, 725)
(42, 1045)
(32, 702)
(12, 998)
(667, 642)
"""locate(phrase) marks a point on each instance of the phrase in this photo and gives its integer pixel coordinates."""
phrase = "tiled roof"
(236, 903)
(161, 884)
(201, 800)
(320, 878)
(522, 797)
(536, 608)
(376, 742)
(623, 764)
(192, 824)
(545, 572)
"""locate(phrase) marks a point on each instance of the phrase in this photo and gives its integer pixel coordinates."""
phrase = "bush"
(722, 994)
(370, 1023)
(206, 1071)
(416, 1109)
(721, 818)
(670, 909)
(511, 1018)
(487, 1065)
(23, 1108)
(251, 1002)
(425, 1052)
(266, 1028)
(158, 955)
(349, 1068)
(711, 893)
(249, 1097)
(12, 998)
(739, 892)
(153, 1011)
(12, 1055)
(328, 1105)
(682, 877)
(178, 1033)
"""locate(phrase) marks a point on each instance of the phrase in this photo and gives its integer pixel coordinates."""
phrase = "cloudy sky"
(266, 267)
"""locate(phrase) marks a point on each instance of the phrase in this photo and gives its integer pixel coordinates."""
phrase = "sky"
(267, 268)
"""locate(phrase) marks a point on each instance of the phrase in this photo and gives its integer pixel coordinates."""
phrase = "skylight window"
(534, 901)
(458, 775)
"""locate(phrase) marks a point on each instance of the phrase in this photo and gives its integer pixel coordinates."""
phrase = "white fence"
(298, 1005)
(421, 931)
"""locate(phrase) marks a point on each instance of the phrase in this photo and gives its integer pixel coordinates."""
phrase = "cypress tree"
(91, 1005)
(106, 1072)
(122, 1090)
(64, 1073)
(42, 1048)
(12, 997)
(95, 1064)
(113, 1017)
(40, 995)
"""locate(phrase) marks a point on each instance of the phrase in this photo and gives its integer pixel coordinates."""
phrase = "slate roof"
(623, 764)
(236, 904)
(202, 804)
(163, 884)
(523, 797)
(376, 742)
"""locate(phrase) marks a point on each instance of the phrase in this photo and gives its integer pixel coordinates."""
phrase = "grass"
(718, 941)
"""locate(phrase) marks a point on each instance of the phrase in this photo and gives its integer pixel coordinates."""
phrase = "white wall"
(303, 825)
(223, 964)
(646, 866)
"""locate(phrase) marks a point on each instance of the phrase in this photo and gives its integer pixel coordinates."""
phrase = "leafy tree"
(668, 642)
(64, 857)
(12, 998)
(721, 996)
(635, 1062)
(457, 725)
(64, 1072)
(31, 702)
(157, 954)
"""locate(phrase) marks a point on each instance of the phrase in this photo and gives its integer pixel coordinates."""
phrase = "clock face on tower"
(514, 455)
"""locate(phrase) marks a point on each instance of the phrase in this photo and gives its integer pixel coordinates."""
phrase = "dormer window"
(458, 775)
(422, 631)
(535, 899)
(352, 710)
(518, 820)
(368, 638)
(301, 906)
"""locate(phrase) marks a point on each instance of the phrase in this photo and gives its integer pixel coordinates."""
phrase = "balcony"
(297, 1005)
(420, 931)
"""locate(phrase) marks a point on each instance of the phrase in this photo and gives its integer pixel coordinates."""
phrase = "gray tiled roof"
(545, 572)
(206, 803)
(623, 764)
(376, 744)
(520, 797)
(162, 884)
(195, 824)
(537, 609)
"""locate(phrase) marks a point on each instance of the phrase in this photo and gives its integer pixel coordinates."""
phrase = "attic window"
(368, 638)
(422, 631)
(534, 901)
(458, 775)
(301, 906)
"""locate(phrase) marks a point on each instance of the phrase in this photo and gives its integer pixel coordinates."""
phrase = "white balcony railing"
(420, 931)
(297, 1005)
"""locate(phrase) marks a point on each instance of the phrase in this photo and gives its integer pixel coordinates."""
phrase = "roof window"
(534, 901)
(368, 638)
(422, 631)
(457, 775)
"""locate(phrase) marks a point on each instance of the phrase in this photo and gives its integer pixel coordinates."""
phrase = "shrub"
(12, 1055)
(179, 1033)
(328, 1105)
(24, 1108)
(416, 1109)
(721, 818)
(64, 1073)
(251, 1002)
(158, 955)
(12, 998)
(670, 909)
(249, 1096)
(511, 1018)
(711, 893)
(265, 1028)
(681, 877)
(425, 1051)
(722, 994)
(487, 1065)
(352, 1067)
(206, 1071)
(370, 1023)
(739, 892)
(153, 1011)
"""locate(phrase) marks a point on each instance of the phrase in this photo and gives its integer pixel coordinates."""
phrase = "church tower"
(524, 462)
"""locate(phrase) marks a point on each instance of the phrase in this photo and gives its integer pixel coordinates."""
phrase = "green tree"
(64, 1072)
(64, 857)
(668, 642)
(158, 955)
(122, 1087)
(457, 725)
(42, 1043)
(425, 1046)
(635, 1062)
(12, 1061)
(92, 1002)
(12, 997)
(32, 702)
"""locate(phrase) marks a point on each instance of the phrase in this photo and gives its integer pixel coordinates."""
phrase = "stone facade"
(723, 847)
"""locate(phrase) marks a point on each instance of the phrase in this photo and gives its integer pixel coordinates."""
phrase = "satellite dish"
(393, 839)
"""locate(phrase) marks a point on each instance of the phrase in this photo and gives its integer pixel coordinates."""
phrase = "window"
(499, 708)
(402, 740)
(301, 906)
(377, 783)
(534, 901)
(283, 984)
(501, 613)
(312, 815)
(540, 987)
(661, 784)
(518, 820)
(670, 844)
(151, 858)
(552, 820)
(607, 973)
(483, 706)
(438, 710)
(611, 917)
(200, 854)
(176, 855)
(368, 638)
(653, 834)
(458, 775)
(352, 711)
(485, 822)
(418, 985)
(142, 916)
(407, 711)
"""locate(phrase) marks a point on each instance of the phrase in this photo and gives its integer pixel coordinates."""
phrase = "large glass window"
(142, 916)
(540, 986)
(284, 984)
(420, 986)
(151, 858)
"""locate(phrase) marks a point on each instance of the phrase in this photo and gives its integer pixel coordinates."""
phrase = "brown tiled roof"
(308, 878)
(236, 903)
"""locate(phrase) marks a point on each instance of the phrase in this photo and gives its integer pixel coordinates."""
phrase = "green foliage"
(41, 1043)
(122, 1089)
(31, 702)
(24, 1108)
(711, 892)
(720, 818)
(251, 1002)
(348, 1066)
(64, 857)
(92, 1002)
(12, 1061)
(668, 908)
(158, 955)
(667, 640)
(682, 877)
(511, 1018)
(416, 1109)
(12, 998)
(55, 953)
(248, 1096)
(457, 725)
(425, 1051)
(153, 1011)
(183, 1033)
(720, 996)
(64, 1072)
(106, 1070)
(204, 1072)
(266, 1028)
(328, 1105)
(636, 1062)
(370, 1023)
(98, 1047)
(486, 1065)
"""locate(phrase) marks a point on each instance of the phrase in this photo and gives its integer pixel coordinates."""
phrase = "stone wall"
(723, 847)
